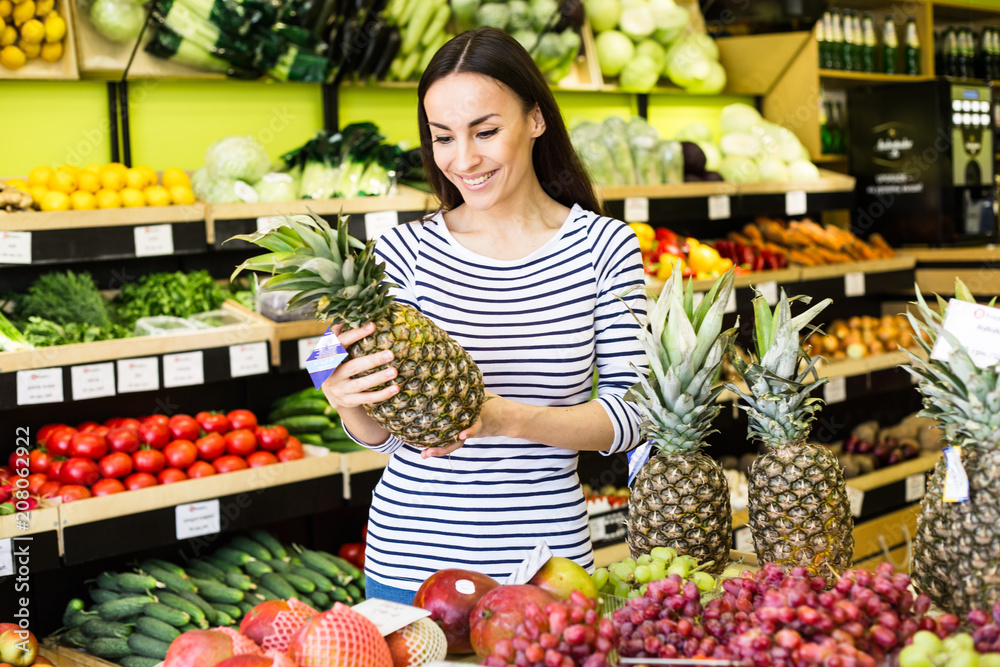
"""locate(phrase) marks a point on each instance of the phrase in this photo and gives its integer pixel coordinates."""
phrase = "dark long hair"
(496, 54)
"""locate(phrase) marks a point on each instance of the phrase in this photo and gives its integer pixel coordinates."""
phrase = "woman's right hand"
(345, 389)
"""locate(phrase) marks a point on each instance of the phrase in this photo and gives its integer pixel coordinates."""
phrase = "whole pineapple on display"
(680, 497)
(440, 386)
(956, 551)
(799, 509)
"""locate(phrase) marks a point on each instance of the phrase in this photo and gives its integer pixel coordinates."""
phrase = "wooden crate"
(586, 72)
(62, 656)
(64, 68)
(33, 221)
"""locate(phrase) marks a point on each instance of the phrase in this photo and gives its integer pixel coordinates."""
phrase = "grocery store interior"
(157, 417)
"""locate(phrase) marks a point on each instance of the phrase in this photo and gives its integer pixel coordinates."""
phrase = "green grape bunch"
(629, 577)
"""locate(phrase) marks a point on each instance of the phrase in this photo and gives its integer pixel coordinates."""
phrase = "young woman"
(520, 270)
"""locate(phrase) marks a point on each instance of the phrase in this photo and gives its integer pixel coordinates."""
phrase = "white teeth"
(477, 181)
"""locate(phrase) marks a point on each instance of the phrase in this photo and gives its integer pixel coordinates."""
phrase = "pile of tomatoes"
(71, 463)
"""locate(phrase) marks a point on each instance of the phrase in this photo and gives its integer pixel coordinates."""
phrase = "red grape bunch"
(663, 623)
(986, 634)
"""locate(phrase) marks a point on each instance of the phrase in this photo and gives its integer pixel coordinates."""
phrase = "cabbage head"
(237, 158)
(803, 170)
(603, 14)
(277, 187)
(694, 132)
(738, 118)
(614, 49)
(652, 48)
(637, 22)
(773, 170)
(670, 20)
(738, 169)
(711, 84)
(118, 20)
(639, 75)
(713, 156)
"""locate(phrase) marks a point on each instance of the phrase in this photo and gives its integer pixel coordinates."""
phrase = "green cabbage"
(237, 158)
(118, 20)
(603, 14)
(739, 169)
(687, 63)
(652, 49)
(773, 170)
(542, 12)
(669, 19)
(637, 22)
(614, 49)
(694, 132)
(615, 137)
(738, 118)
(276, 187)
(713, 156)
(802, 170)
(520, 15)
(711, 84)
(744, 144)
(497, 16)
(639, 75)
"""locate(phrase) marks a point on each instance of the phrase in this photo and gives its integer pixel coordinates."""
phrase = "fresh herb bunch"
(65, 298)
(171, 294)
(40, 332)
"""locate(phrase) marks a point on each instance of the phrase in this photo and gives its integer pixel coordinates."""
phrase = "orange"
(88, 181)
(108, 199)
(174, 176)
(82, 201)
(62, 181)
(157, 195)
(132, 198)
(181, 195)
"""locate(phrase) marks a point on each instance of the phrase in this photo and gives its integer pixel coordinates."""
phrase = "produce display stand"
(37, 533)
(291, 342)
(63, 69)
(937, 269)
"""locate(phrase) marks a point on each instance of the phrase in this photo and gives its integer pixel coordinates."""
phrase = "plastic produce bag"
(644, 142)
(671, 158)
(615, 138)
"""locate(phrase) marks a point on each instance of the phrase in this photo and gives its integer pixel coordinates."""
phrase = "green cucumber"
(108, 581)
(111, 648)
(205, 566)
(354, 591)
(137, 583)
(187, 628)
(301, 584)
(315, 560)
(344, 565)
(312, 406)
(230, 610)
(102, 595)
(307, 393)
(200, 571)
(213, 591)
(170, 580)
(157, 629)
(164, 565)
(138, 661)
(97, 627)
(223, 565)
(167, 614)
(255, 549)
(323, 584)
(224, 619)
(148, 646)
(72, 607)
(333, 433)
(305, 424)
(275, 582)
(257, 568)
(342, 446)
(267, 594)
(278, 565)
(74, 637)
(245, 608)
(234, 556)
(240, 582)
(339, 594)
(78, 618)
(269, 542)
(321, 600)
(201, 603)
(195, 612)
(115, 610)
(310, 439)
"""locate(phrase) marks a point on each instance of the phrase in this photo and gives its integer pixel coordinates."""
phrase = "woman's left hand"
(487, 425)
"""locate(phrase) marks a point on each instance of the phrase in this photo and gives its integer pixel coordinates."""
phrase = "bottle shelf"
(874, 77)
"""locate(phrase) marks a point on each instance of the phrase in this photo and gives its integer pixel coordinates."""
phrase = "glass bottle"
(859, 42)
(868, 50)
(825, 135)
(839, 143)
(890, 47)
(837, 43)
(911, 53)
(828, 42)
(950, 52)
(819, 31)
(847, 52)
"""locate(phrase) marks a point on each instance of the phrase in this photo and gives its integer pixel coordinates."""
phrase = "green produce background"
(173, 122)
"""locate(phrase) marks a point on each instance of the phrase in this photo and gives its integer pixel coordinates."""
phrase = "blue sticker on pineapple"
(325, 358)
(637, 459)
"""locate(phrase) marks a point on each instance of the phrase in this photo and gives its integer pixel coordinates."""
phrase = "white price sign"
(854, 284)
(636, 209)
(306, 346)
(15, 247)
(197, 519)
(389, 616)
(139, 374)
(857, 498)
(731, 303)
(835, 390)
(916, 487)
(42, 385)
(770, 291)
(93, 380)
(183, 369)
(597, 530)
(248, 359)
(743, 538)
(977, 329)
(377, 224)
(6, 557)
(718, 207)
(152, 240)
(795, 202)
(267, 222)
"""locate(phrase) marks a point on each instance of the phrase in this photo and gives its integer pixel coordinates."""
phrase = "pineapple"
(680, 497)
(799, 510)
(956, 551)
(440, 386)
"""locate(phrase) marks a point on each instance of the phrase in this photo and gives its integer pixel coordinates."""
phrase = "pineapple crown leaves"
(777, 400)
(324, 266)
(685, 346)
(963, 398)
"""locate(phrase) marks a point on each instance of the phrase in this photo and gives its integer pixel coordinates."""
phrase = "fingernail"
(370, 326)
(390, 372)
(387, 355)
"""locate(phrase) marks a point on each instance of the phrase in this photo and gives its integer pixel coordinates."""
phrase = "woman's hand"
(344, 389)
(496, 412)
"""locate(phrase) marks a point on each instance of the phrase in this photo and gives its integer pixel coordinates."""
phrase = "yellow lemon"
(181, 195)
(112, 179)
(151, 177)
(40, 175)
(55, 27)
(33, 31)
(174, 176)
(6, 7)
(55, 201)
(3, 24)
(8, 36)
(82, 201)
(108, 199)
(18, 183)
(135, 178)
(12, 57)
(157, 195)
(51, 53)
(69, 168)
(88, 181)
(92, 167)
(23, 12)
(31, 51)
(38, 194)
(62, 181)
(43, 7)
(132, 198)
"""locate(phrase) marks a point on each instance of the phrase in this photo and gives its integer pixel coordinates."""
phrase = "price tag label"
(636, 209)
(770, 291)
(152, 240)
(183, 369)
(197, 519)
(377, 224)
(597, 530)
(530, 566)
(835, 390)
(795, 202)
(731, 303)
(267, 222)
(139, 374)
(857, 498)
(306, 346)
(743, 538)
(93, 380)
(248, 359)
(916, 487)
(42, 385)
(15, 247)
(245, 192)
(389, 616)
(718, 207)
(6, 557)
(854, 284)
(977, 329)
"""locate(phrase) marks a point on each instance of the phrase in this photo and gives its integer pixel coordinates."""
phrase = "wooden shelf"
(674, 191)
(873, 266)
(874, 77)
(965, 10)
(827, 158)
(36, 221)
(971, 255)
(285, 332)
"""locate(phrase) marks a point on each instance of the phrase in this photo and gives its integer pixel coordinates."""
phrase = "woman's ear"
(538, 122)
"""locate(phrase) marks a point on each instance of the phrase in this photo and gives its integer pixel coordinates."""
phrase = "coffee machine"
(923, 157)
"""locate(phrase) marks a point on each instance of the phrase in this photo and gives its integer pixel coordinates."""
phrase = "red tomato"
(130, 424)
(258, 459)
(122, 440)
(353, 552)
(35, 482)
(99, 430)
(79, 470)
(70, 492)
(87, 426)
(289, 454)
(149, 460)
(44, 431)
(56, 468)
(211, 447)
(106, 487)
(171, 475)
(50, 489)
(140, 480)
(155, 435)
(17, 462)
(229, 464)
(162, 420)
(272, 438)
(113, 422)
(117, 465)
(294, 443)
(242, 419)
(59, 440)
(213, 422)
(240, 443)
(39, 461)
(184, 427)
(200, 469)
(88, 444)
(180, 454)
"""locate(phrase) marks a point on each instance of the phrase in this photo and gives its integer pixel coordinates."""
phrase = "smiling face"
(482, 138)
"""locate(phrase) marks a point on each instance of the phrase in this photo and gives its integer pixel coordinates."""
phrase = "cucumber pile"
(309, 417)
(135, 615)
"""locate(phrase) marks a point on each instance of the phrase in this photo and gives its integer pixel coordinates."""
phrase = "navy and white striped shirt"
(536, 327)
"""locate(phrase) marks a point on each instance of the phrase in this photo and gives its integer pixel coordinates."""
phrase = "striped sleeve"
(620, 314)
(391, 444)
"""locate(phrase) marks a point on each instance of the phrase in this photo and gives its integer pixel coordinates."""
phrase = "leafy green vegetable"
(175, 294)
(118, 20)
(65, 298)
(10, 338)
(40, 332)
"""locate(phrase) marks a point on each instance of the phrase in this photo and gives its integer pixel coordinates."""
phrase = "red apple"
(450, 595)
(197, 648)
(246, 661)
(561, 576)
(500, 611)
(18, 647)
